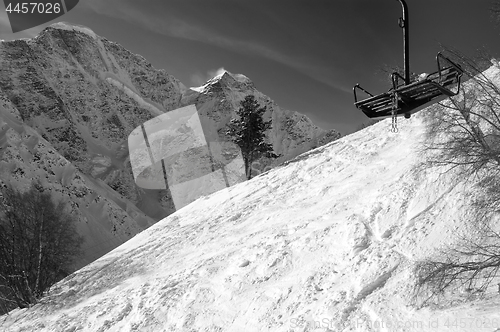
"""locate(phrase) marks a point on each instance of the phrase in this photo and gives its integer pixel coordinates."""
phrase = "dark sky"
(304, 54)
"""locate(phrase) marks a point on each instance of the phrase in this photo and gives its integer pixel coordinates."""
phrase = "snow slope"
(325, 242)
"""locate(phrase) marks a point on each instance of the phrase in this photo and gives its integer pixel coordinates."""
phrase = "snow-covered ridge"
(241, 78)
(225, 75)
(75, 27)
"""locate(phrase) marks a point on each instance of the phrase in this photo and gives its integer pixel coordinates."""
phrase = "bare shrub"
(464, 136)
(38, 243)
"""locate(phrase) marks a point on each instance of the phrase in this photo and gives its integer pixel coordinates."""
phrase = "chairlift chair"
(406, 97)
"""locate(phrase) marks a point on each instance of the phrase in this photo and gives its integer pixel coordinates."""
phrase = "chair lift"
(406, 97)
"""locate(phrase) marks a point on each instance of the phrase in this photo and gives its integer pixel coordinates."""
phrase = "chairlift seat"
(412, 97)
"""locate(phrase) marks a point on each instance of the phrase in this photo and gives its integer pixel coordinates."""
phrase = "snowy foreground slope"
(323, 243)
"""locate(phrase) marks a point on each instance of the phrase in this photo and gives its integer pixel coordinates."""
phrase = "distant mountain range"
(68, 101)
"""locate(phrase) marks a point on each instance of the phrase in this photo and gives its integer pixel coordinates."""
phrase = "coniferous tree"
(248, 132)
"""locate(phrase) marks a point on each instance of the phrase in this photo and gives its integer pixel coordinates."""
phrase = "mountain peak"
(74, 27)
(228, 76)
(227, 79)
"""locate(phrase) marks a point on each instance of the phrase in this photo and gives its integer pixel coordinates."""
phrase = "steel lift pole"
(404, 24)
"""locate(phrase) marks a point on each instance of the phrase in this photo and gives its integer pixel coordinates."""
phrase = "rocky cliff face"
(68, 101)
(105, 218)
(84, 95)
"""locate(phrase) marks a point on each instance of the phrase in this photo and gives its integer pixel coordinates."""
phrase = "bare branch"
(462, 134)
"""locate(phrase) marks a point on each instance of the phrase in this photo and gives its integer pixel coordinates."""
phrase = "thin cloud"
(199, 79)
(175, 27)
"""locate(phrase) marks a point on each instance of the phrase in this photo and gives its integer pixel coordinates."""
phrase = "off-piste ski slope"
(325, 242)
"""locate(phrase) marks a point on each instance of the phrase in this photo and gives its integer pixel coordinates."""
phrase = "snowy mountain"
(69, 100)
(292, 133)
(324, 242)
